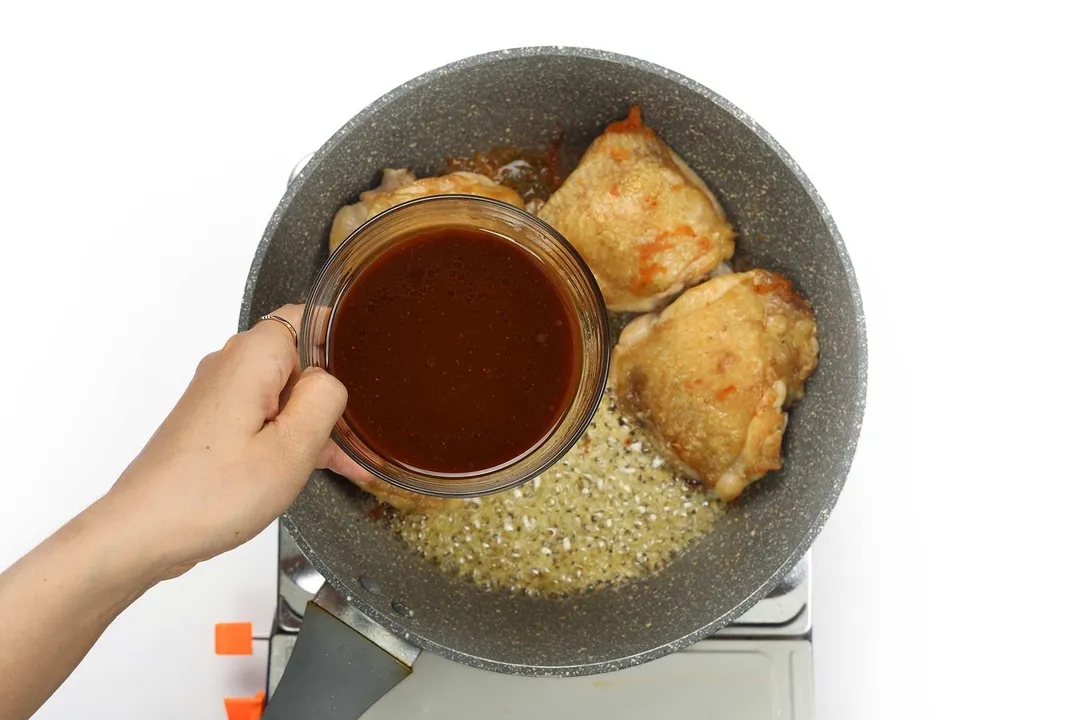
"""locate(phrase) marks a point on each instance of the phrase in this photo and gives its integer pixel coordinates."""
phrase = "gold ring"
(288, 325)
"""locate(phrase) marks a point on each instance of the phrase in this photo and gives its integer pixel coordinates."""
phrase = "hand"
(234, 452)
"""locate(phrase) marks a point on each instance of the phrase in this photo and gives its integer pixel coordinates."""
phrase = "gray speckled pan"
(520, 97)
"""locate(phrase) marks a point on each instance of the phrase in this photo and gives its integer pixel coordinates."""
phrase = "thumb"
(299, 432)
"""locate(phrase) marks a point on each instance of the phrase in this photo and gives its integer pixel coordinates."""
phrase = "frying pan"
(522, 98)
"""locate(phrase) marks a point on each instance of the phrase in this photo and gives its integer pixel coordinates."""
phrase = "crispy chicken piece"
(404, 500)
(645, 223)
(399, 186)
(711, 375)
(383, 491)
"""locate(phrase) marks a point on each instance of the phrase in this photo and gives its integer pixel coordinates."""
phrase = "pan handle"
(342, 663)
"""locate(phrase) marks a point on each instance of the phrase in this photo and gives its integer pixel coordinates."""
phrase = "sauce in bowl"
(459, 352)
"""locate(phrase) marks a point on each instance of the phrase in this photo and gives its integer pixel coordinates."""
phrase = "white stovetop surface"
(144, 149)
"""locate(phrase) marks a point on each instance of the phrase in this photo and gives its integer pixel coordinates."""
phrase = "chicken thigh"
(399, 186)
(645, 223)
(405, 500)
(712, 374)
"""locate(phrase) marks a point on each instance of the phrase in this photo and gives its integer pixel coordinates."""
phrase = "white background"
(143, 148)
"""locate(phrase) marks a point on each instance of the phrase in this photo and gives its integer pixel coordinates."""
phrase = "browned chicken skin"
(383, 491)
(711, 375)
(645, 223)
(400, 186)
(404, 500)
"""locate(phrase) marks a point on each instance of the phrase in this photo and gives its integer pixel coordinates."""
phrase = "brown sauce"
(535, 173)
(458, 352)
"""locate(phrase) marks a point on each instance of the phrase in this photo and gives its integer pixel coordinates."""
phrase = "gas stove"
(757, 667)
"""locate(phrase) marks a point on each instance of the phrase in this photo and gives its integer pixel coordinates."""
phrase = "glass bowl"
(564, 267)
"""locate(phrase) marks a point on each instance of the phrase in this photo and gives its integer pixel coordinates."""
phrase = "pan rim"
(844, 454)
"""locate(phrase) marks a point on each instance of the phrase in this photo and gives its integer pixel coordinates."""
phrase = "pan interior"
(522, 98)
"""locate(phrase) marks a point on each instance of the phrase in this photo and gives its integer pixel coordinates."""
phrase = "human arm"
(229, 458)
